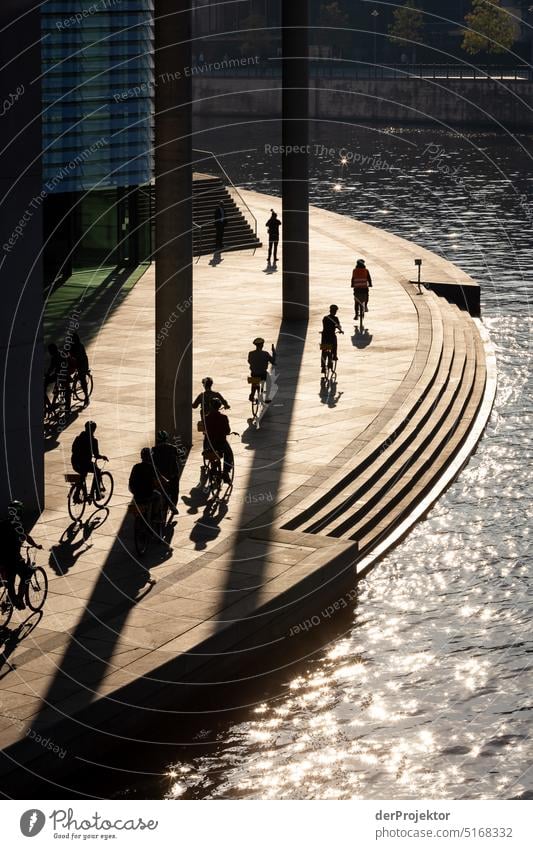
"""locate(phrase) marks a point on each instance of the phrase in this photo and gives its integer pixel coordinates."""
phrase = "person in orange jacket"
(361, 282)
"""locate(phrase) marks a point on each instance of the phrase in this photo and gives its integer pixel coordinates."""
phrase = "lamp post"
(530, 10)
(375, 16)
(418, 263)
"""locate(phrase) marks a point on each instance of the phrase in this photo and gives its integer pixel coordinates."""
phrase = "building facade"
(97, 87)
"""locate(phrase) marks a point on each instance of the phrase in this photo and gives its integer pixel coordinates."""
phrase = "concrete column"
(295, 170)
(21, 198)
(173, 193)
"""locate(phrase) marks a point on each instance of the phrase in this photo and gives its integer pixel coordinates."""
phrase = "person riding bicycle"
(330, 327)
(54, 367)
(259, 360)
(84, 449)
(59, 371)
(168, 468)
(205, 399)
(143, 485)
(82, 365)
(12, 537)
(217, 429)
(361, 281)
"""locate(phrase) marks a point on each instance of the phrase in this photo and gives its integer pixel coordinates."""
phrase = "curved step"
(439, 453)
(365, 487)
(402, 464)
(388, 426)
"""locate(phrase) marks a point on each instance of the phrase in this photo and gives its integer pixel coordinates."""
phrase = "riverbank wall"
(475, 103)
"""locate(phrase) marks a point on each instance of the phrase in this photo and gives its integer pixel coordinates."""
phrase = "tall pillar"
(173, 207)
(21, 238)
(295, 170)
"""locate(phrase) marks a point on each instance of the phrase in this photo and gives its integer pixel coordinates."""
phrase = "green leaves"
(490, 29)
(408, 23)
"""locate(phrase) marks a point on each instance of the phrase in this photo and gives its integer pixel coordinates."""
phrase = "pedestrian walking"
(220, 226)
(273, 224)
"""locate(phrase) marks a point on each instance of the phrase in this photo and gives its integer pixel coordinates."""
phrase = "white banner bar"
(262, 825)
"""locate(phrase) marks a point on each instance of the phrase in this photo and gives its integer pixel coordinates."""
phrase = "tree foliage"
(489, 28)
(331, 15)
(408, 23)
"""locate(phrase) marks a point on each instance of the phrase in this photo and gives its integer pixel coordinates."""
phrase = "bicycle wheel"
(215, 480)
(6, 608)
(77, 390)
(141, 534)
(36, 589)
(104, 490)
(255, 406)
(76, 501)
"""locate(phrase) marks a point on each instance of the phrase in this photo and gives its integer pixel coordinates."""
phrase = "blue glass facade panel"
(97, 83)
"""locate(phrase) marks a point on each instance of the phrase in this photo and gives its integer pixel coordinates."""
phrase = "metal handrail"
(230, 181)
(366, 70)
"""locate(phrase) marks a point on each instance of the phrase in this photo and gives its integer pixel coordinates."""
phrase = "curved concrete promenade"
(334, 477)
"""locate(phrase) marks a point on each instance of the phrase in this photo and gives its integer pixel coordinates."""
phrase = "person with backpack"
(86, 451)
(361, 281)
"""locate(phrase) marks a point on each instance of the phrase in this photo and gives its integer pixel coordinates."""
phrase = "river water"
(428, 690)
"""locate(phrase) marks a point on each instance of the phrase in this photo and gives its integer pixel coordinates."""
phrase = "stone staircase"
(208, 192)
(397, 461)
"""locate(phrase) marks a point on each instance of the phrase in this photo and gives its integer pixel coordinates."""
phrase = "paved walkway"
(110, 618)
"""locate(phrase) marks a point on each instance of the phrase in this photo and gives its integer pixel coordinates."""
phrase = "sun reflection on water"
(427, 695)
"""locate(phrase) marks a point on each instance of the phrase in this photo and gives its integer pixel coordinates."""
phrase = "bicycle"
(35, 591)
(146, 528)
(52, 412)
(258, 399)
(55, 408)
(212, 473)
(99, 494)
(360, 309)
(77, 389)
(328, 363)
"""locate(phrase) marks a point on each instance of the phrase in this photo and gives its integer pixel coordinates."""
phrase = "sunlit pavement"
(111, 617)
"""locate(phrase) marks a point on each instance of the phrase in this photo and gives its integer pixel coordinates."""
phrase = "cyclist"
(54, 367)
(143, 486)
(259, 360)
(205, 399)
(82, 365)
(217, 430)
(85, 453)
(330, 327)
(59, 372)
(12, 536)
(361, 281)
(168, 468)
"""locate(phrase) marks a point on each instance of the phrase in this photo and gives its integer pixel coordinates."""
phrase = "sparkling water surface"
(429, 691)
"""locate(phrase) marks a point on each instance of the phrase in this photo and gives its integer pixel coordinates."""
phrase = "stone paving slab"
(113, 617)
